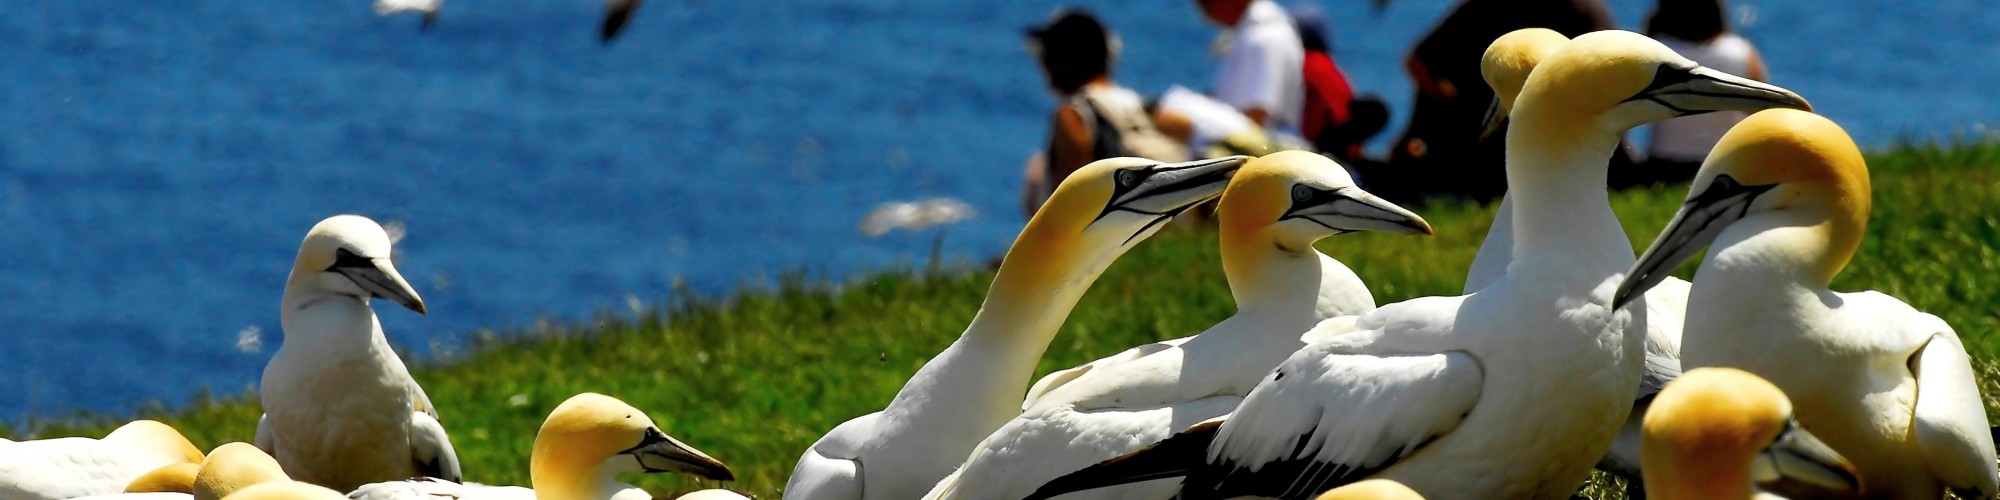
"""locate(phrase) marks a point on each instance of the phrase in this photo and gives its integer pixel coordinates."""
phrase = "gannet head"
(591, 436)
(286, 490)
(1774, 161)
(1506, 65)
(1716, 430)
(1373, 489)
(157, 439)
(235, 466)
(172, 478)
(1301, 197)
(349, 255)
(1610, 81)
(1108, 206)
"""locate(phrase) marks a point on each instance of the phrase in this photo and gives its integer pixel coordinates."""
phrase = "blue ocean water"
(160, 160)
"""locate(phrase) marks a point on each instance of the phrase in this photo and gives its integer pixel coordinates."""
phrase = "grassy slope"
(755, 378)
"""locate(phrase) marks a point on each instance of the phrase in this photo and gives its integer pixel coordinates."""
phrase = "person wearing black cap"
(1096, 117)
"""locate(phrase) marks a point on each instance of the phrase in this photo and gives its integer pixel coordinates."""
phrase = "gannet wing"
(431, 448)
(1950, 421)
(1059, 378)
(435, 489)
(831, 468)
(1324, 419)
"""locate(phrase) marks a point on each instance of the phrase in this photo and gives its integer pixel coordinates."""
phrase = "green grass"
(755, 377)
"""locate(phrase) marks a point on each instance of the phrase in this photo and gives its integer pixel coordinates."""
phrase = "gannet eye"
(1128, 178)
(1301, 193)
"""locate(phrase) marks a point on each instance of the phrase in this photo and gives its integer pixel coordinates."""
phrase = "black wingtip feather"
(1171, 457)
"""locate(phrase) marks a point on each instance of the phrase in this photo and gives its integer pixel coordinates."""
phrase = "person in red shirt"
(1336, 121)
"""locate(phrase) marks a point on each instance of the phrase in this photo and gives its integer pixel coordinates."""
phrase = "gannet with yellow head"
(235, 466)
(1506, 66)
(1273, 211)
(64, 468)
(1716, 433)
(1782, 203)
(1373, 489)
(975, 385)
(587, 441)
(341, 410)
(1513, 391)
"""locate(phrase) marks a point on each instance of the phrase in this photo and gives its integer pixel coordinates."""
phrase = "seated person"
(1096, 118)
(1336, 121)
(1699, 30)
(1260, 73)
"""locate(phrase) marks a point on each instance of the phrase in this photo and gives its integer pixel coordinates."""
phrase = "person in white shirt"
(1699, 30)
(1262, 72)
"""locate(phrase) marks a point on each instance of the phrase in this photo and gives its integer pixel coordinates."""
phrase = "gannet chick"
(1513, 391)
(1373, 489)
(64, 468)
(428, 8)
(1782, 203)
(616, 14)
(340, 408)
(581, 449)
(1273, 211)
(976, 385)
(1714, 433)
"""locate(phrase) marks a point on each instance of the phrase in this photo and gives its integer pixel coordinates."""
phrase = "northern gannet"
(233, 467)
(1715, 433)
(63, 468)
(340, 409)
(616, 14)
(1513, 391)
(1270, 215)
(1505, 66)
(581, 449)
(976, 384)
(1782, 203)
(428, 8)
(172, 482)
(1372, 489)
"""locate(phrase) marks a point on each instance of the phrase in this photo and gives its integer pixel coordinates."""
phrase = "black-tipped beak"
(1350, 209)
(1697, 225)
(1800, 456)
(1167, 189)
(1496, 116)
(659, 452)
(379, 278)
(1696, 90)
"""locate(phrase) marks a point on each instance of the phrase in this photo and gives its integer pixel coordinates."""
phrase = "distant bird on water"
(429, 8)
(915, 215)
(616, 14)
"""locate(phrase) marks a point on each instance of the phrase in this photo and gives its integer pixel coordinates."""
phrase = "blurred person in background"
(1095, 118)
(1260, 73)
(1332, 117)
(1442, 145)
(1699, 30)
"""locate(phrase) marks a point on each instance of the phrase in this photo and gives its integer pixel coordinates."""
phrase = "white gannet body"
(581, 449)
(1715, 433)
(976, 384)
(1513, 391)
(427, 8)
(1505, 66)
(286, 490)
(63, 468)
(1784, 200)
(341, 410)
(1271, 213)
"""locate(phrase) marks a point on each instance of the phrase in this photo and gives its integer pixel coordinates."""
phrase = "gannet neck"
(1562, 218)
(1265, 274)
(1702, 478)
(1038, 283)
(1776, 249)
(598, 482)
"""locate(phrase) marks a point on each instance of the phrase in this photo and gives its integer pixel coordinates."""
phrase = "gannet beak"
(379, 278)
(1797, 455)
(1167, 189)
(1697, 225)
(1695, 90)
(1350, 209)
(1495, 117)
(658, 452)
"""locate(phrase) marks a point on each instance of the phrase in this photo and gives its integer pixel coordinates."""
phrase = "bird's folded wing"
(1058, 379)
(433, 489)
(432, 450)
(1950, 421)
(1324, 419)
